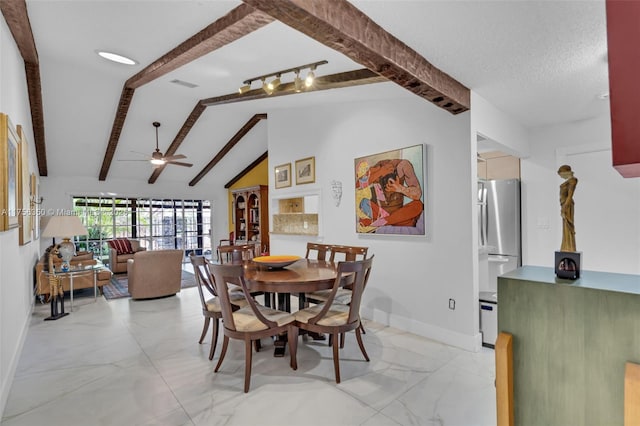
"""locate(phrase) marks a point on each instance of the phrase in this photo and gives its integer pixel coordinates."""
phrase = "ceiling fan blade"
(132, 160)
(174, 157)
(178, 163)
(141, 153)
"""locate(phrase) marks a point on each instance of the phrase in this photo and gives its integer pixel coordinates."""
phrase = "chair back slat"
(236, 253)
(203, 278)
(322, 251)
(349, 253)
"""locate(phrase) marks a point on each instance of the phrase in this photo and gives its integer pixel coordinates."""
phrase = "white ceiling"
(543, 62)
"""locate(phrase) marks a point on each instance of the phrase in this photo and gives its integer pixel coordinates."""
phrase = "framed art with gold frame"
(9, 169)
(283, 175)
(306, 170)
(25, 209)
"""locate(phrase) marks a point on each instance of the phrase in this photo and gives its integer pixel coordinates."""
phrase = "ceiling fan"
(157, 158)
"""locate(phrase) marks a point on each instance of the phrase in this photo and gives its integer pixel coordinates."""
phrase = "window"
(158, 224)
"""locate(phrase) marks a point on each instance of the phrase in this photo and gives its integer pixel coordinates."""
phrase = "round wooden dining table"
(302, 276)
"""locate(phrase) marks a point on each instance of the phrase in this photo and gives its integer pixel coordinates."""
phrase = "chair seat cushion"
(343, 296)
(238, 299)
(337, 315)
(245, 319)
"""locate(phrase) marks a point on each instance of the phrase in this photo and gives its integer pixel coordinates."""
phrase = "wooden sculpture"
(566, 208)
(56, 292)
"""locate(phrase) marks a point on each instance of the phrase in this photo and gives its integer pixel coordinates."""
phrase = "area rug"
(119, 287)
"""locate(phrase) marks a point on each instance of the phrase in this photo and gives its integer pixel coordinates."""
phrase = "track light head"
(245, 87)
(297, 83)
(310, 78)
(273, 85)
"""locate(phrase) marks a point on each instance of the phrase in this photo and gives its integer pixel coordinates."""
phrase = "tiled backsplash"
(295, 223)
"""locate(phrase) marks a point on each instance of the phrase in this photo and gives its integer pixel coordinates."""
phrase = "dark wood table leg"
(284, 304)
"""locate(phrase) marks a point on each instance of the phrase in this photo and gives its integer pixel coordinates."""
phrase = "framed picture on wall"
(24, 182)
(389, 192)
(283, 175)
(306, 170)
(9, 168)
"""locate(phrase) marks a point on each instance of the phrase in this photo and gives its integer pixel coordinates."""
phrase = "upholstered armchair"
(154, 273)
(121, 250)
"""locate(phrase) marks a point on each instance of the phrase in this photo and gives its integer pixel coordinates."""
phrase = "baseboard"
(13, 365)
(471, 343)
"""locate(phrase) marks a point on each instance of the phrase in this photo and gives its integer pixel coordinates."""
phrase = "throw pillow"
(121, 245)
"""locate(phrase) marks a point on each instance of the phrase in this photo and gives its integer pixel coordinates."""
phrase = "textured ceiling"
(542, 62)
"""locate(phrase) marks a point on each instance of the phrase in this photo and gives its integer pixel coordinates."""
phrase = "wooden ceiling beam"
(229, 145)
(17, 18)
(332, 81)
(247, 169)
(236, 24)
(241, 21)
(343, 27)
(118, 123)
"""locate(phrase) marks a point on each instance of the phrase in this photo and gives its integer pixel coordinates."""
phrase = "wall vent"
(184, 83)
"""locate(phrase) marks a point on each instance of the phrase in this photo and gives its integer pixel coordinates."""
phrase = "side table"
(76, 270)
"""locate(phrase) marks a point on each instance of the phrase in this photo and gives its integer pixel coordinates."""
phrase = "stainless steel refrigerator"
(499, 217)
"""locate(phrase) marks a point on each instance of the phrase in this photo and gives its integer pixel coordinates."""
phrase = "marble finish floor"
(125, 362)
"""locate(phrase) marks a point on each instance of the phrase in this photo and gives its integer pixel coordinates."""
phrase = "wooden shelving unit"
(251, 216)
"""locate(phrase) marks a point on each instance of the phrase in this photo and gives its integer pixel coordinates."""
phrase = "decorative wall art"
(336, 192)
(35, 201)
(283, 175)
(390, 192)
(306, 170)
(9, 170)
(26, 214)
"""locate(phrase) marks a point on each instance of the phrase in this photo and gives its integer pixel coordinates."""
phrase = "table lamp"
(65, 227)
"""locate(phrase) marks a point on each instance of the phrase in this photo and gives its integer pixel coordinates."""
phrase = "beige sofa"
(103, 275)
(118, 262)
(155, 273)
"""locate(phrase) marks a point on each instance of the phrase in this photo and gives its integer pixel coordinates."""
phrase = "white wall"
(413, 278)
(607, 207)
(16, 262)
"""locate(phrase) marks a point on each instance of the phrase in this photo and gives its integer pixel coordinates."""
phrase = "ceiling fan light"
(157, 161)
(244, 89)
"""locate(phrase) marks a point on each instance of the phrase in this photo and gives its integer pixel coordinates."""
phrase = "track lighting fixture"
(308, 82)
(297, 82)
(273, 85)
(245, 88)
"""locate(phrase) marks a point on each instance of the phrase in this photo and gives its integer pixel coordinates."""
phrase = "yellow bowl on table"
(276, 261)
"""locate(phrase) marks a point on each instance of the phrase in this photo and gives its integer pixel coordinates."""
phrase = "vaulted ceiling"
(542, 62)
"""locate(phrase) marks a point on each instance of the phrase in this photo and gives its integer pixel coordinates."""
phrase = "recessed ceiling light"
(116, 58)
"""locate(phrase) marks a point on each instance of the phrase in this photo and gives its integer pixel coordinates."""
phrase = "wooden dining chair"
(209, 300)
(236, 253)
(339, 252)
(321, 251)
(348, 253)
(337, 318)
(251, 322)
